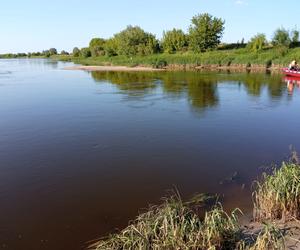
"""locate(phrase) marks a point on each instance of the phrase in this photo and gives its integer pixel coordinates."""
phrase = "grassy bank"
(271, 57)
(179, 225)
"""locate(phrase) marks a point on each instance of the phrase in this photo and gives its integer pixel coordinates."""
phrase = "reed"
(175, 225)
(277, 196)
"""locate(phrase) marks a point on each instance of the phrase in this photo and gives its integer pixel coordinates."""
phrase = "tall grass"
(175, 225)
(268, 238)
(242, 57)
(277, 196)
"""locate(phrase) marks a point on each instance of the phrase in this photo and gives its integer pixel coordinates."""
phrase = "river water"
(81, 153)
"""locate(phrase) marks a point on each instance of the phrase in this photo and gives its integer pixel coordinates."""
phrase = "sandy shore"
(111, 68)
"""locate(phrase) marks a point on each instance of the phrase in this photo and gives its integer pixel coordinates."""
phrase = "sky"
(35, 25)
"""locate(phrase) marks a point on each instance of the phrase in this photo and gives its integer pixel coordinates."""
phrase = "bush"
(135, 41)
(97, 47)
(85, 52)
(174, 41)
(111, 47)
(257, 43)
(159, 64)
(76, 52)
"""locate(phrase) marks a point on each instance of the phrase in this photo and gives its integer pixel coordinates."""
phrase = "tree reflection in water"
(200, 88)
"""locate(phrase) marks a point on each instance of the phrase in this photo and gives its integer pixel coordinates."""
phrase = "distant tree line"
(44, 53)
(204, 34)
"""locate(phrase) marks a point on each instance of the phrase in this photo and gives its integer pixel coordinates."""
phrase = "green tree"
(295, 36)
(111, 47)
(76, 52)
(135, 41)
(205, 32)
(85, 52)
(281, 37)
(174, 40)
(53, 51)
(63, 52)
(46, 53)
(97, 46)
(257, 43)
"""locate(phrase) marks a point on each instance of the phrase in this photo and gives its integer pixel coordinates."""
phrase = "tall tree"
(205, 32)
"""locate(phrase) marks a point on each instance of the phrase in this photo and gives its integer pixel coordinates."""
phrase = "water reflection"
(201, 89)
(291, 83)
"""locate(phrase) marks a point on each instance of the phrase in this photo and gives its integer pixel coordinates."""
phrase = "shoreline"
(175, 67)
(112, 68)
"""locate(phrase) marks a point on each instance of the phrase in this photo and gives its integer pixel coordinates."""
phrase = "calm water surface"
(81, 153)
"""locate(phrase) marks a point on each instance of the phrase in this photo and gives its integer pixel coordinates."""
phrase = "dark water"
(81, 153)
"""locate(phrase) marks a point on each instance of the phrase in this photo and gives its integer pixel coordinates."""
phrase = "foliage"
(295, 36)
(174, 40)
(281, 37)
(76, 52)
(277, 195)
(52, 51)
(97, 46)
(205, 32)
(111, 47)
(135, 41)
(159, 64)
(257, 43)
(63, 52)
(85, 52)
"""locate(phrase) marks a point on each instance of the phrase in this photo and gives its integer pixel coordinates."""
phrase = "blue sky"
(34, 25)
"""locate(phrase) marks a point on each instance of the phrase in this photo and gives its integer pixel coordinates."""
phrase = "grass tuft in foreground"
(175, 225)
(277, 196)
(268, 238)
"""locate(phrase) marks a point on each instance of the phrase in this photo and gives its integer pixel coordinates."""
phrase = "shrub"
(85, 52)
(257, 43)
(159, 64)
(97, 47)
(174, 40)
(76, 52)
(135, 41)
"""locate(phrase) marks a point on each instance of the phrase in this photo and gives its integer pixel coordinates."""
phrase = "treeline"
(44, 53)
(204, 34)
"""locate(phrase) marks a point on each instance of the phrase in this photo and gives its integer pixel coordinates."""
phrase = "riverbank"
(182, 225)
(272, 59)
(112, 68)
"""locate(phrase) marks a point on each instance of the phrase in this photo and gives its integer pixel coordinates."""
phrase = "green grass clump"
(277, 196)
(175, 225)
(270, 238)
